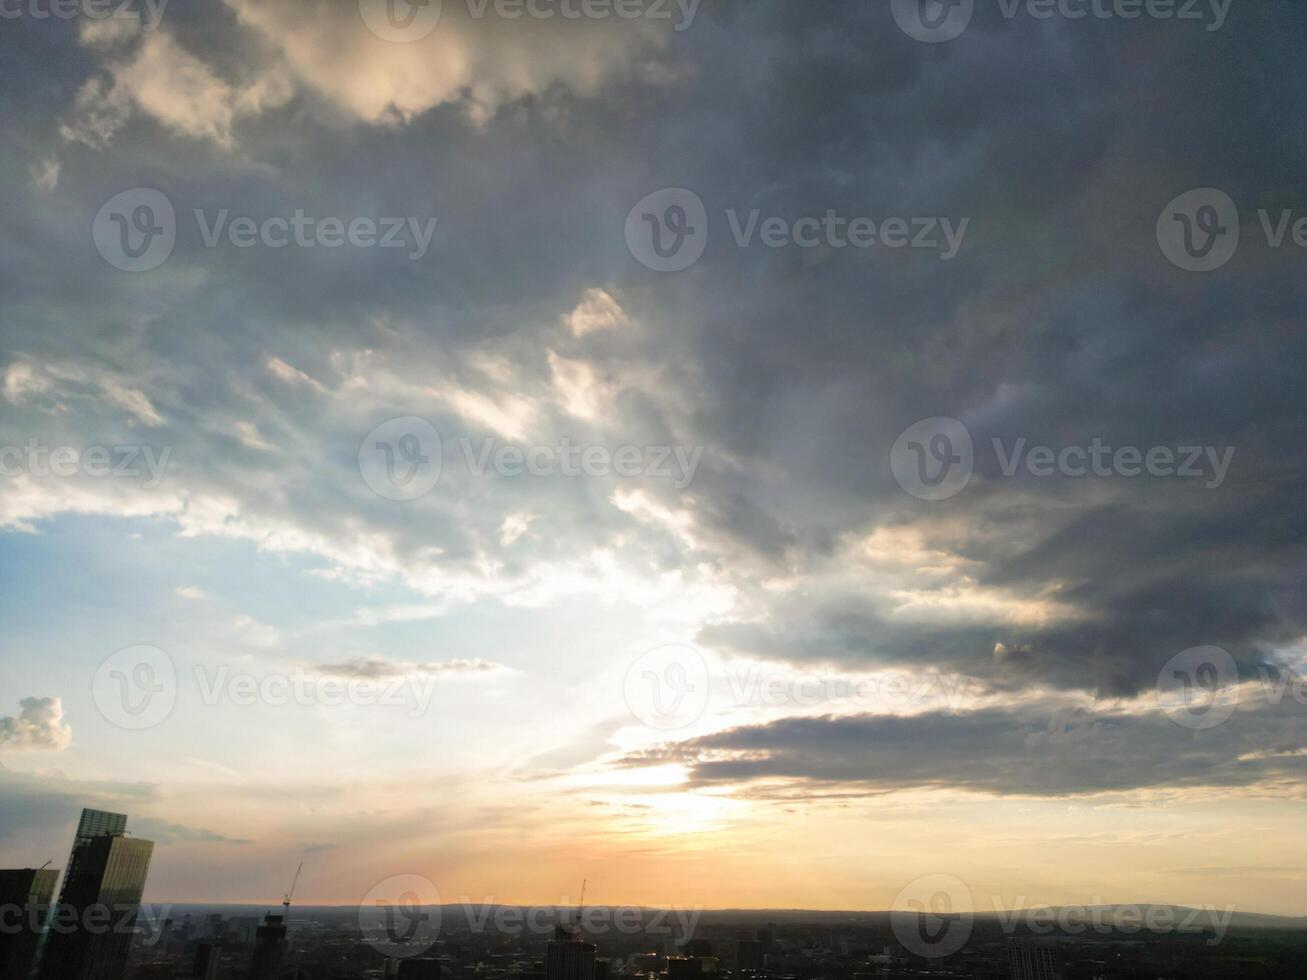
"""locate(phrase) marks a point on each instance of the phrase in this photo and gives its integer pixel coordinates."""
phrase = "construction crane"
(285, 906)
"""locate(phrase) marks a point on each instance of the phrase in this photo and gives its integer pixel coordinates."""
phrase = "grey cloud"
(163, 832)
(375, 669)
(1058, 321)
(1043, 752)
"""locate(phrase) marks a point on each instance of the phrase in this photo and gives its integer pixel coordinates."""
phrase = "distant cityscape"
(98, 929)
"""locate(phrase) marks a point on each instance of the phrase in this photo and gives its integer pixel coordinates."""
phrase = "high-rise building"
(748, 955)
(32, 892)
(207, 956)
(95, 922)
(269, 949)
(419, 969)
(569, 958)
(1030, 959)
(684, 968)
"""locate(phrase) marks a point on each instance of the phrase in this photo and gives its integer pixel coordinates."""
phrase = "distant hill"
(1186, 917)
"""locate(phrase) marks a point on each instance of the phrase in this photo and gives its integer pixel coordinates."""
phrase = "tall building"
(1030, 959)
(92, 932)
(30, 891)
(568, 957)
(418, 969)
(684, 967)
(748, 955)
(207, 956)
(269, 949)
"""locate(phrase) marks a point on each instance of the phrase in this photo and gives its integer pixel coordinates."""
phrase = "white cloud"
(513, 527)
(479, 64)
(597, 311)
(39, 725)
(579, 389)
(45, 174)
(26, 379)
(257, 634)
(160, 78)
(375, 668)
(293, 375)
(248, 435)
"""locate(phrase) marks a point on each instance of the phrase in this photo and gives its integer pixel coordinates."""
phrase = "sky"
(740, 454)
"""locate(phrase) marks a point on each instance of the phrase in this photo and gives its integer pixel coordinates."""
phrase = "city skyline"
(741, 455)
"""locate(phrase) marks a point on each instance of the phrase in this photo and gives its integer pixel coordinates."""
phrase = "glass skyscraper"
(92, 930)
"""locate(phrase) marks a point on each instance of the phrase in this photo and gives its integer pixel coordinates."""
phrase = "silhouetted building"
(92, 929)
(647, 963)
(684, 968)
(698, 947)
(269, 949)
(31, 892)
(748, 955)
(601, 970)
(767, 937)
(207, 956)
(569, 959)
(419, 969)
(1033, 960)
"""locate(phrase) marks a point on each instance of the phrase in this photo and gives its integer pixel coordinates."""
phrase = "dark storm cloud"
(1038, 751)
(1058, 321)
